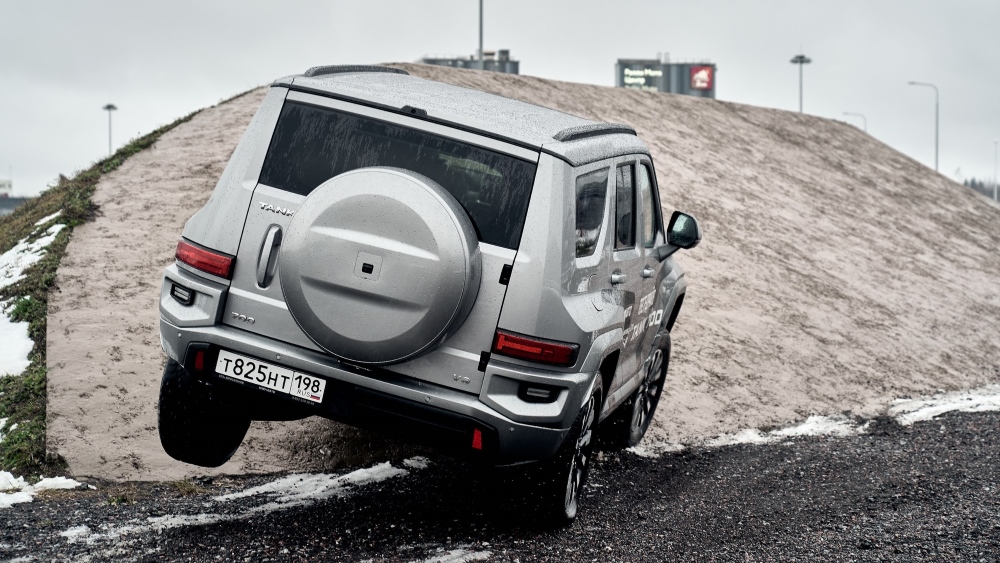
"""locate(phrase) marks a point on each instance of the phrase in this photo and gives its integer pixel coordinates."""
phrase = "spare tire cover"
(379, 265)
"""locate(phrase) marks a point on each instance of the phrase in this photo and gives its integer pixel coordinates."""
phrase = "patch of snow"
(821, 426)
(418, 462)
(3, 425)
(23, 492)
(75, 532)
(48, 218)
(908, 411)
(653, 450)
(25, 254)
(284, 493)
(745, 436)
(295, 489)
(813, 426)
(458, 556)
(15, 345)
(9, 482)
(50, 483)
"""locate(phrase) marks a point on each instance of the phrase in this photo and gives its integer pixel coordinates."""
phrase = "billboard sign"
(701, 77)
(641, 77)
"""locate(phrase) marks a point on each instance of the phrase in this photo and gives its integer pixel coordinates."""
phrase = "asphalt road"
(923, 492)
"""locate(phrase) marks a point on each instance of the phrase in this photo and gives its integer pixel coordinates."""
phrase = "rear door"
(318, 138)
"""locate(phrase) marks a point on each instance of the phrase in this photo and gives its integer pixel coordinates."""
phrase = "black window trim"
(635, 215)
(414, 123)
(606, 165)
(646, 160)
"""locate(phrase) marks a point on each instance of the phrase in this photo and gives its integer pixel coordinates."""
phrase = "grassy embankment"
(22, 397)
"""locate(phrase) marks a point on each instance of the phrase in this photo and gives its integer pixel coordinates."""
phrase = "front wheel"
(565, 474)
(196, 425)
(632, 419)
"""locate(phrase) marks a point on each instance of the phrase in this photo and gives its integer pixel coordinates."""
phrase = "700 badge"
(276, 378)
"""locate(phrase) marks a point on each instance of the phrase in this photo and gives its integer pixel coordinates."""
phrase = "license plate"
(276, 378)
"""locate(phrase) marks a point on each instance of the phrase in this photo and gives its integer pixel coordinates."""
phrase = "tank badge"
(276, 209)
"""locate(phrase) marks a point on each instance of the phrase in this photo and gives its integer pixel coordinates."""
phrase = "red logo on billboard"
(701, 77)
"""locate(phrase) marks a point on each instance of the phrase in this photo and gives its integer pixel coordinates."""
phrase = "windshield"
(313, 144)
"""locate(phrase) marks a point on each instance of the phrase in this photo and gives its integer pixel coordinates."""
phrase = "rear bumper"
(401, 405)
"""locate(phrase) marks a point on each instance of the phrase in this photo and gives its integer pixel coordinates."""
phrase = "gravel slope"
(898, 493)
(836, 274)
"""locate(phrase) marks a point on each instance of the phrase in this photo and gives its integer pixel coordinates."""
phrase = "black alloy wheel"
(647, 397)
(583, 451)
(626, 427)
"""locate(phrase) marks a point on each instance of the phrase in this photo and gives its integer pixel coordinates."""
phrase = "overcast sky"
(61, 61)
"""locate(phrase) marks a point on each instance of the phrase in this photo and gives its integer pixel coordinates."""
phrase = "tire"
(196, 425)
(563, 477)
(631, 421)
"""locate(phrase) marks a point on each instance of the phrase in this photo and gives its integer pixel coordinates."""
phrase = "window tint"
(651, 224)
(625, 207)
(311, 145)
(591, 193)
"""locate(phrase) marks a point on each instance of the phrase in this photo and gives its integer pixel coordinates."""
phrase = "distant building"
(8, 203)
(661, 75)
(496, 61)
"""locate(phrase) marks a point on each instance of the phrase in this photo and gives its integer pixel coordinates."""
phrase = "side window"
(591, 192)
(651, 223)
(625, 208)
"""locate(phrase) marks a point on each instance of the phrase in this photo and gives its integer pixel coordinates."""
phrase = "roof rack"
(593, 130)
(340, 69)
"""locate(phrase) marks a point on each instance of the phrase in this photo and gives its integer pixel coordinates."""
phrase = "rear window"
(311, 145)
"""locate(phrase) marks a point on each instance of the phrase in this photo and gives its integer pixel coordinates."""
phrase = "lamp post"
(937, 106)
(109, 108)
(996, 157)
(482, 63)
(800, 60)
(863, 118)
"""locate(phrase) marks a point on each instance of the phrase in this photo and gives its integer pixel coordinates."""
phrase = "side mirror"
(683, 231)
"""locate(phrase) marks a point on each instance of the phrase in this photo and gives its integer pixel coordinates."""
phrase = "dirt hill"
(835, 275)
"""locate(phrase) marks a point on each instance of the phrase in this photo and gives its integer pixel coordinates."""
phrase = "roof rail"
(593, 130)
(340, 69)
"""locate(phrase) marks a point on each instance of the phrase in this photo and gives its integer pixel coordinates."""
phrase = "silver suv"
(481, 274)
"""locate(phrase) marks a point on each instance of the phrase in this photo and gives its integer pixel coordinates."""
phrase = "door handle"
(648, 272)
(617, 278)
(268, 258)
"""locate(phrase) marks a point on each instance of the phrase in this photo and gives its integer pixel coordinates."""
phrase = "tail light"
(535, 349)
(209, 261)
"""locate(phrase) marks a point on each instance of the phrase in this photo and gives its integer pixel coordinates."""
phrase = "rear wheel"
(564, 476)
(197, 425)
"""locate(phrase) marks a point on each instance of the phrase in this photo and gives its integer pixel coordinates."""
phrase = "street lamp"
(109, 108)
(800, 60)
(865, 119)
(996, 157)
(482, 63)
(936, 114)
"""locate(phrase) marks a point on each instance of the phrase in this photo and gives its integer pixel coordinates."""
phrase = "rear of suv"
(481, 274)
